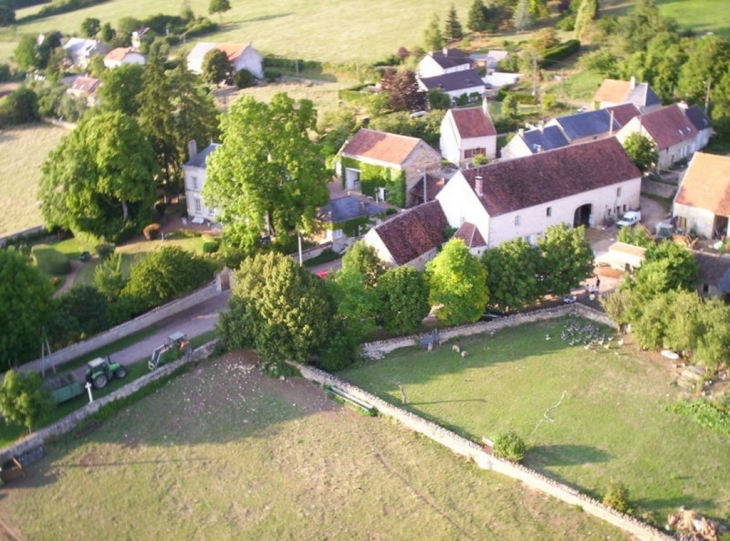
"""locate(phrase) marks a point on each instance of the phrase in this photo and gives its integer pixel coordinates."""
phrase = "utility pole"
(707, 94)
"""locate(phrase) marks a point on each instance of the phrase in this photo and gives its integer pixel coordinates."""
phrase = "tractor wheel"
(120, 373)
(100, 381)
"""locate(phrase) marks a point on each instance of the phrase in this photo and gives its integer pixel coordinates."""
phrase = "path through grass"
(225, 453)
(610, 422)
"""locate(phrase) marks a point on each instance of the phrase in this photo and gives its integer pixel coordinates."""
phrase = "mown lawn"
(610, 423)
(24, 149)
(222, 452)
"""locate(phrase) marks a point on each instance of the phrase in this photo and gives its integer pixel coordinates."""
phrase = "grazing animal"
(620, 343)
(547, 337)
(455, 348)
(464, 354)
(430, 346)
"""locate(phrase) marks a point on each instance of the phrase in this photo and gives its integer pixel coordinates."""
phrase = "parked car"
(629, 219)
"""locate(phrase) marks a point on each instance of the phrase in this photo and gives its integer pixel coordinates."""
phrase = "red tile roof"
(119, 53)
(612, 91)
(472, 122)
(85, 84)
(470, 235)
(706, 184)
(413, 232)
(381, 146)
(668, 126)
(520, 183)
(624, 112)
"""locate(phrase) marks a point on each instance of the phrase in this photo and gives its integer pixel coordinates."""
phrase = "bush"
(271, 75)
(210, 247)
(509, 446)
(105, 250)
(152, 231)
(50, 261)
(244, 79)
(560, 52)
(566, 24)
(617, 497)
(5, 73)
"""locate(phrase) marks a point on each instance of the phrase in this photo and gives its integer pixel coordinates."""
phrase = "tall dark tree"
(100, 178)
(120, 89)
(156, 118)
(107, 33)
(267, 176)
(23, 399)
(219, 6)
(25, 297)
(433, 39)
(452, 29)
(26, 52)
(404, 93)
(641, 24)
(522, 18)
(707, 62)
(19, 107)
(477, 21)
(216, 67)
(7, 13)
(90, 27)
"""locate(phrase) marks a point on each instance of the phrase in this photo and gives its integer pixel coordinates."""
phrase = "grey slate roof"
(458, 80)
(347, 208)
(450, 58)
(548, 138)
(643, 96)
(587, 124)
(698, 118)
(201, 158)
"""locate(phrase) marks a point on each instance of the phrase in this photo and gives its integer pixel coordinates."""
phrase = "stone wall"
(74, 351)
(660, 189)
(376, 350)
(311, 253)
(70, 422)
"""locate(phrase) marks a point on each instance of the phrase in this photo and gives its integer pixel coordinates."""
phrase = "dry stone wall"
(70, 422)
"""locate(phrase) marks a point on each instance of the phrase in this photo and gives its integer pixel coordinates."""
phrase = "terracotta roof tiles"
(706, 184)
(472, 122)
(380, 146)
(668, 126)
(413, 232)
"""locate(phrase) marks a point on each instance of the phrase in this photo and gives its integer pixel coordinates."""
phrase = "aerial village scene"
(365, 270)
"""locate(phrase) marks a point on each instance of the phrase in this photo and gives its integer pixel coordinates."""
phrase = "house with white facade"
(85, 88)
(411, 237)
(670, 129)
(466, 133)
(344, 219)
(701, 122)
(80, 50)
(442, 62)
(194, 173)
(457, 85)
(584, 184)
(702, 203)
(385, 166)
(124, 55)
(240, 57)
(615, 92)
(529, 142)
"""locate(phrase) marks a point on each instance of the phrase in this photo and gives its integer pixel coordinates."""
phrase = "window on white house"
(618, 192)
(195, 182)
(517, 220)
(471, 152)
(198, 205)
(337, 234)
(549, 212)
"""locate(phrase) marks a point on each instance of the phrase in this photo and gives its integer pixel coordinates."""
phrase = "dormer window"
(517, 220)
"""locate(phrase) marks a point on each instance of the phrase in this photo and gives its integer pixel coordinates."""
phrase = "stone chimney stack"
(479, 185)
(632, 82)
(192, 149)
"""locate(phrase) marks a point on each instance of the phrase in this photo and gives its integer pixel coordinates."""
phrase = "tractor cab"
(100, 371)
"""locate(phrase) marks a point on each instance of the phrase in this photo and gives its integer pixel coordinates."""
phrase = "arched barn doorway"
(582, 215)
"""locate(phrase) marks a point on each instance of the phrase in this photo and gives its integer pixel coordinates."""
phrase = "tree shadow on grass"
(544, 456)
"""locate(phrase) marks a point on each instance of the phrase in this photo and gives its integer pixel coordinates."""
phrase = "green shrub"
(566, 24)
(509, 446)
(271, 75)
(105, 250)
(152, 231)
(560, 52)
(210, 247)
(244, 79)
(617, 497)
(50, 261)
(713, 416)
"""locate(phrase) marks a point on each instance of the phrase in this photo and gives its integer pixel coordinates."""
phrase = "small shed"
(623, 256)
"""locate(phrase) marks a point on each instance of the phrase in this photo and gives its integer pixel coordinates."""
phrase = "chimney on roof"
(682, 106)
(479, 185)
(610, 125)
(521, 132)
(485, 105)
(192, 149)
(632, 82)
(541, 126)
(445, 51)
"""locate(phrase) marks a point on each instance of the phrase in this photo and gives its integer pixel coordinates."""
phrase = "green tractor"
(100, 371)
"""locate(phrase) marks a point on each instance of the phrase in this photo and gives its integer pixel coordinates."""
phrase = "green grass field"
(610, 424)
(222, 452)
(24, 149)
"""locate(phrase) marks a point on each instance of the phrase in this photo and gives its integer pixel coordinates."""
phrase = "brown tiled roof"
(381, 146)
(118, 54)
(232, 50)
(85, 84)
(520, 183)
(434, 184)
(612, 91)
(470, 235)
(706, 184)
(472, 122)
(712, 267)
(668, 126)
(413, 232)
(624, 112)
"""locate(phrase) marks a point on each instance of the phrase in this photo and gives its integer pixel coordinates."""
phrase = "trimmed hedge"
(560, 52)
(57, 8)
(50, 261)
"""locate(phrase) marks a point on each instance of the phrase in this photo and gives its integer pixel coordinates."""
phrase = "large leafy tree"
(512, 274)
(456, 281)
(23, 399)
(278, 308)
(79, 314)
(667, 266)
(452, 28)
(403, 293)
(219, 6)
(357, 302)
(707, 62)
(120, 89)
(642, 151)
(522, 18)
(641, 24)
(404, 93)
(100, 178)
(433, 39)
(25, 297)
(216, 67)
(567, 258)
(156, 118)
(587, 11)
(477, 21)
(90, 27)
(364, 259)
(267, 176)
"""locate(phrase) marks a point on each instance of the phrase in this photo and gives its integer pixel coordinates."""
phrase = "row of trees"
(283, 311)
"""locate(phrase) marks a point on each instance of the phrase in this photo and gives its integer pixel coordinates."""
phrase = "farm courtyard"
(589, 416)
(223, 452)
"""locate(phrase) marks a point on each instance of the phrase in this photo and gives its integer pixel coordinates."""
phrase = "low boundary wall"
(660, 189)
(70, 422)
(71, 352)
